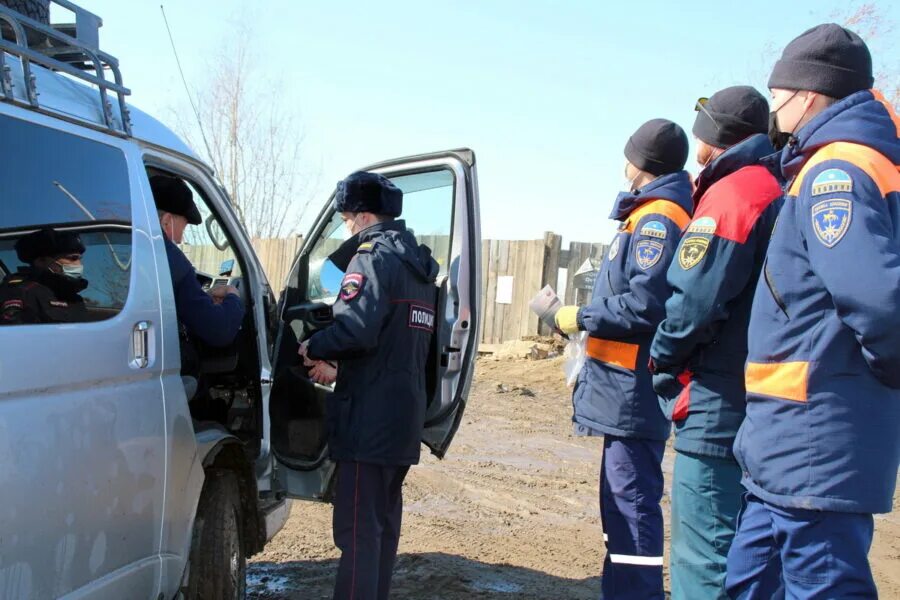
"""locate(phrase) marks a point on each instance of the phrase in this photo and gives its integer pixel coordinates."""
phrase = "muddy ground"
(510, 513)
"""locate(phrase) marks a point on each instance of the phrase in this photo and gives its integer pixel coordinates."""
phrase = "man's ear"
(810, 99)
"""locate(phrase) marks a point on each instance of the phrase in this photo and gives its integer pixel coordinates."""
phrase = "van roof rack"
(73, 49)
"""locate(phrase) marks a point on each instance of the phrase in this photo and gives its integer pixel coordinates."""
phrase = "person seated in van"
(213, 318)
(47, 290)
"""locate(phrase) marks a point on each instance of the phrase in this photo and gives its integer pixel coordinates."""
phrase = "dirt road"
(510, 513)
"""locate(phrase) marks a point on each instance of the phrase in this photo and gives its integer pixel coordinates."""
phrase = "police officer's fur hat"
(174, 196)
(368, 192)
(48, 243)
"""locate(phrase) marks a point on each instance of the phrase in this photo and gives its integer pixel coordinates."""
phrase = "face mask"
(72, 271)
(779, 138)
(348, 228)
(629, 183)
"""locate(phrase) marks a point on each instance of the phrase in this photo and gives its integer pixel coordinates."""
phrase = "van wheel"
(218, 565)
(39, 10)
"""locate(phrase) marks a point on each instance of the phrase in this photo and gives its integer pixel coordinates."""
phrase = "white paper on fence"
(575, 355)
(505, 289)
(545, 305)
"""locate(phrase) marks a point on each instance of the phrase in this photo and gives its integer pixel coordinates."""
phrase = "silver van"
(110, 487)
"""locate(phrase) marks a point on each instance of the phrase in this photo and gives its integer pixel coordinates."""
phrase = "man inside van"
(213, 318)
(47, 290)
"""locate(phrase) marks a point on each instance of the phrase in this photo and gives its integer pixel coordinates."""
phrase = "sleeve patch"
(831, 219)
(11, 309)
(351, 286)
(703, 225)
(647, 253)
(421, 317)
(614, 248)
(693, 249)
(654, 229)
(830, 181)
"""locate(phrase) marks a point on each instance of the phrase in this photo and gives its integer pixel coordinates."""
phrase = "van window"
(427, 212)
(65, 226)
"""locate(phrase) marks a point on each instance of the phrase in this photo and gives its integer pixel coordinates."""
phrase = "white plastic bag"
(575, 355)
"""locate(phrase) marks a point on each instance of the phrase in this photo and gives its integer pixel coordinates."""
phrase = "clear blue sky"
(546, 93)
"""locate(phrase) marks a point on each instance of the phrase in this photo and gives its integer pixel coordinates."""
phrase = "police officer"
(820, 444)
(703, 339)
(48, 289)
(382, 329)
(213, 318)
(614, 394)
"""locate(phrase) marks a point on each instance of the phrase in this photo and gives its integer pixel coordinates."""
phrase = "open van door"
(440, 206)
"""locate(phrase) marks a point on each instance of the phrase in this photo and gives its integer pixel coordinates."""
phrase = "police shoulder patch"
(352, 285)
(654, 229)
(830, 181)
(693, 249)
(702, 225)
(647, 253)
(831, 220)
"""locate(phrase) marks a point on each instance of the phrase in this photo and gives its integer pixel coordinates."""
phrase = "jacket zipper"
(775, 295)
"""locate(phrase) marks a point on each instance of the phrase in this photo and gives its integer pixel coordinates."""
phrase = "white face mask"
(628, 184)
(348, 228)
(72, 271)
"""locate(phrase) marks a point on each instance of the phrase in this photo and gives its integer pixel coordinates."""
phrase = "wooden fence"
(512, 273)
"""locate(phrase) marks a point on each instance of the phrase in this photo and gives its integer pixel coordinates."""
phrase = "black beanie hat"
(368, 192)
(737, 113)
(827, 59)
(658, 147)
(174, 196)
(48, 243)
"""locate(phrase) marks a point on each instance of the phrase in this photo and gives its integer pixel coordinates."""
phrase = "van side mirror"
(216, 235)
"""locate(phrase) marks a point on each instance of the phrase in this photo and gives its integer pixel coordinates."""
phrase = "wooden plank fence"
(512, 271)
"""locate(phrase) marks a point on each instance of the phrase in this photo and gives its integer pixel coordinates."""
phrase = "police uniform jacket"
(41, 296)
(822, 429)
(713, 278)
(202, 319)
(614, 391)
(381, 334)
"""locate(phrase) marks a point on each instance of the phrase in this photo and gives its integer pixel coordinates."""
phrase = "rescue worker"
(215, 317)
(614, 394)
(820, 444)
(703, 339)
(381, 333)
(48, 289)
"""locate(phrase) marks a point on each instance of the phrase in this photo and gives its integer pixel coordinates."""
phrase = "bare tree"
(869, 20)
(251, 140)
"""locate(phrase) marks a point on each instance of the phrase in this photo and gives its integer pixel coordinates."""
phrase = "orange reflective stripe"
(887, 105)
(782, 380)
(666, 208)
(883, 172)
(614, 353)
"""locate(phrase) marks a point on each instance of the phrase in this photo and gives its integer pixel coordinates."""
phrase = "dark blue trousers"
(631, 488)
(797, 553)
(368, 507)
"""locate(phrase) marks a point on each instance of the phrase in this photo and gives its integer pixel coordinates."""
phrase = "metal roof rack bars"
(59, 50)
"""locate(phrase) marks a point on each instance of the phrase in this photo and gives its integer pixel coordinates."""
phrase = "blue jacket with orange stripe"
(713, 279)
(822, 429)
(614, 391)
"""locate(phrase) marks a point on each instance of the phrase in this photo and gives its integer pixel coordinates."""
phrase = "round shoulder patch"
(702, 225)
(830, 181)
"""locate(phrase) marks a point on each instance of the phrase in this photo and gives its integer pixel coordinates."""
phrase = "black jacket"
(381, 334)
(40, 296)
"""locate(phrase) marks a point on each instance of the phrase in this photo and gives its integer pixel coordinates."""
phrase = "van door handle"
(140, 345)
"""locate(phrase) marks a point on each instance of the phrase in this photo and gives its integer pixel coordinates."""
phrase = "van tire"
(39, 10)
(218, 563)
